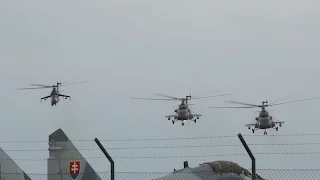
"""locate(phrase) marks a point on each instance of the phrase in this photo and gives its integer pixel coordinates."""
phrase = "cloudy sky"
(252, 49)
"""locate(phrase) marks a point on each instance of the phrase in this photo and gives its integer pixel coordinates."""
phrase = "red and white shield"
(74, 169)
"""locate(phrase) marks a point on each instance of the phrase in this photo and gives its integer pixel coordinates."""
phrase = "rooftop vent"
(185, 164)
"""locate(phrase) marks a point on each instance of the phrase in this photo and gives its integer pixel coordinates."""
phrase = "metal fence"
(289, 174)
(270, 174)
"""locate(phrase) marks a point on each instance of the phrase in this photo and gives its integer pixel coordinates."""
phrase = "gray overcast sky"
(137, 48)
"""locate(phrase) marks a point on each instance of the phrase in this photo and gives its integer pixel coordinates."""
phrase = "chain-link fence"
(270, 174)
(290, 174)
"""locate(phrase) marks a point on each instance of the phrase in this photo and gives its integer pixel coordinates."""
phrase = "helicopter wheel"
(265, 133)
(252, 130)
(182, 124)
(172, 121)
(195, 121)
(277, 128)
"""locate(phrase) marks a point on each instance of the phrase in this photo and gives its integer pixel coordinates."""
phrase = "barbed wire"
(156, 172)
(280, 174)
(167, 157)
(168, 139)
(271, 169)
(167, 147)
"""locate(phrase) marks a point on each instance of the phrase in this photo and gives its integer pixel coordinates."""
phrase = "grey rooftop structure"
(216, 170)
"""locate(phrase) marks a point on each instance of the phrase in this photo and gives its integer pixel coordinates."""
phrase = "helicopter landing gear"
(172, 121)
(277, 128)
(195, 121)
(265, 132)
(252, 130)
(249, 127)
(182, 124)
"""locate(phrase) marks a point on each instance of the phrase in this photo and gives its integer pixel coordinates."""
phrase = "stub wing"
(279, 122)
(247, 125)
(65, 96)
(44, 98)
(170, 116)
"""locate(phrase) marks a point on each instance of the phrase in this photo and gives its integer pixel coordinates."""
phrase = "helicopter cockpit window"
(263, 114)
(183, 107)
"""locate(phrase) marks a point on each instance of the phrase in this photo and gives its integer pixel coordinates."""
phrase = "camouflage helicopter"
(264, 120)
(183, 112)
(55, 93)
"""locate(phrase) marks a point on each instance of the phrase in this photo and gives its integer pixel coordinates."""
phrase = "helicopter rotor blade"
(231, 107)
(281, 99)
(210, 96)
(34, 88)
(292, 101)
(164, 95)
(62, 84)
(155, 99)
(204, 94)
(46, 86)
(41, 85)
(236, 102)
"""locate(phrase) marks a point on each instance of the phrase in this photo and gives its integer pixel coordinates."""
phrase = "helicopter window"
(182, 113)
(263, 114)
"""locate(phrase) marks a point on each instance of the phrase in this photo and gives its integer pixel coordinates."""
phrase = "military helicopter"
(55, 93)
(183, 112)
(264, 120)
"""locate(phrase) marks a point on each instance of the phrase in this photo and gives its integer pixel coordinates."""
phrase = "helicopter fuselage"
(54, 97)
(183, 113)
(264, 123)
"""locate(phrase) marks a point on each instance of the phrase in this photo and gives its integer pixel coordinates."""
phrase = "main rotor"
(183, 100)
(41, 86)
(263, 105)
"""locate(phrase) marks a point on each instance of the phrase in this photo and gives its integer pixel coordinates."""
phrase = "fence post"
(107, 155)
(253, 160)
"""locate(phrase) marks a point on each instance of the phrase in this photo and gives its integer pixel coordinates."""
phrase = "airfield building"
(65, 162)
